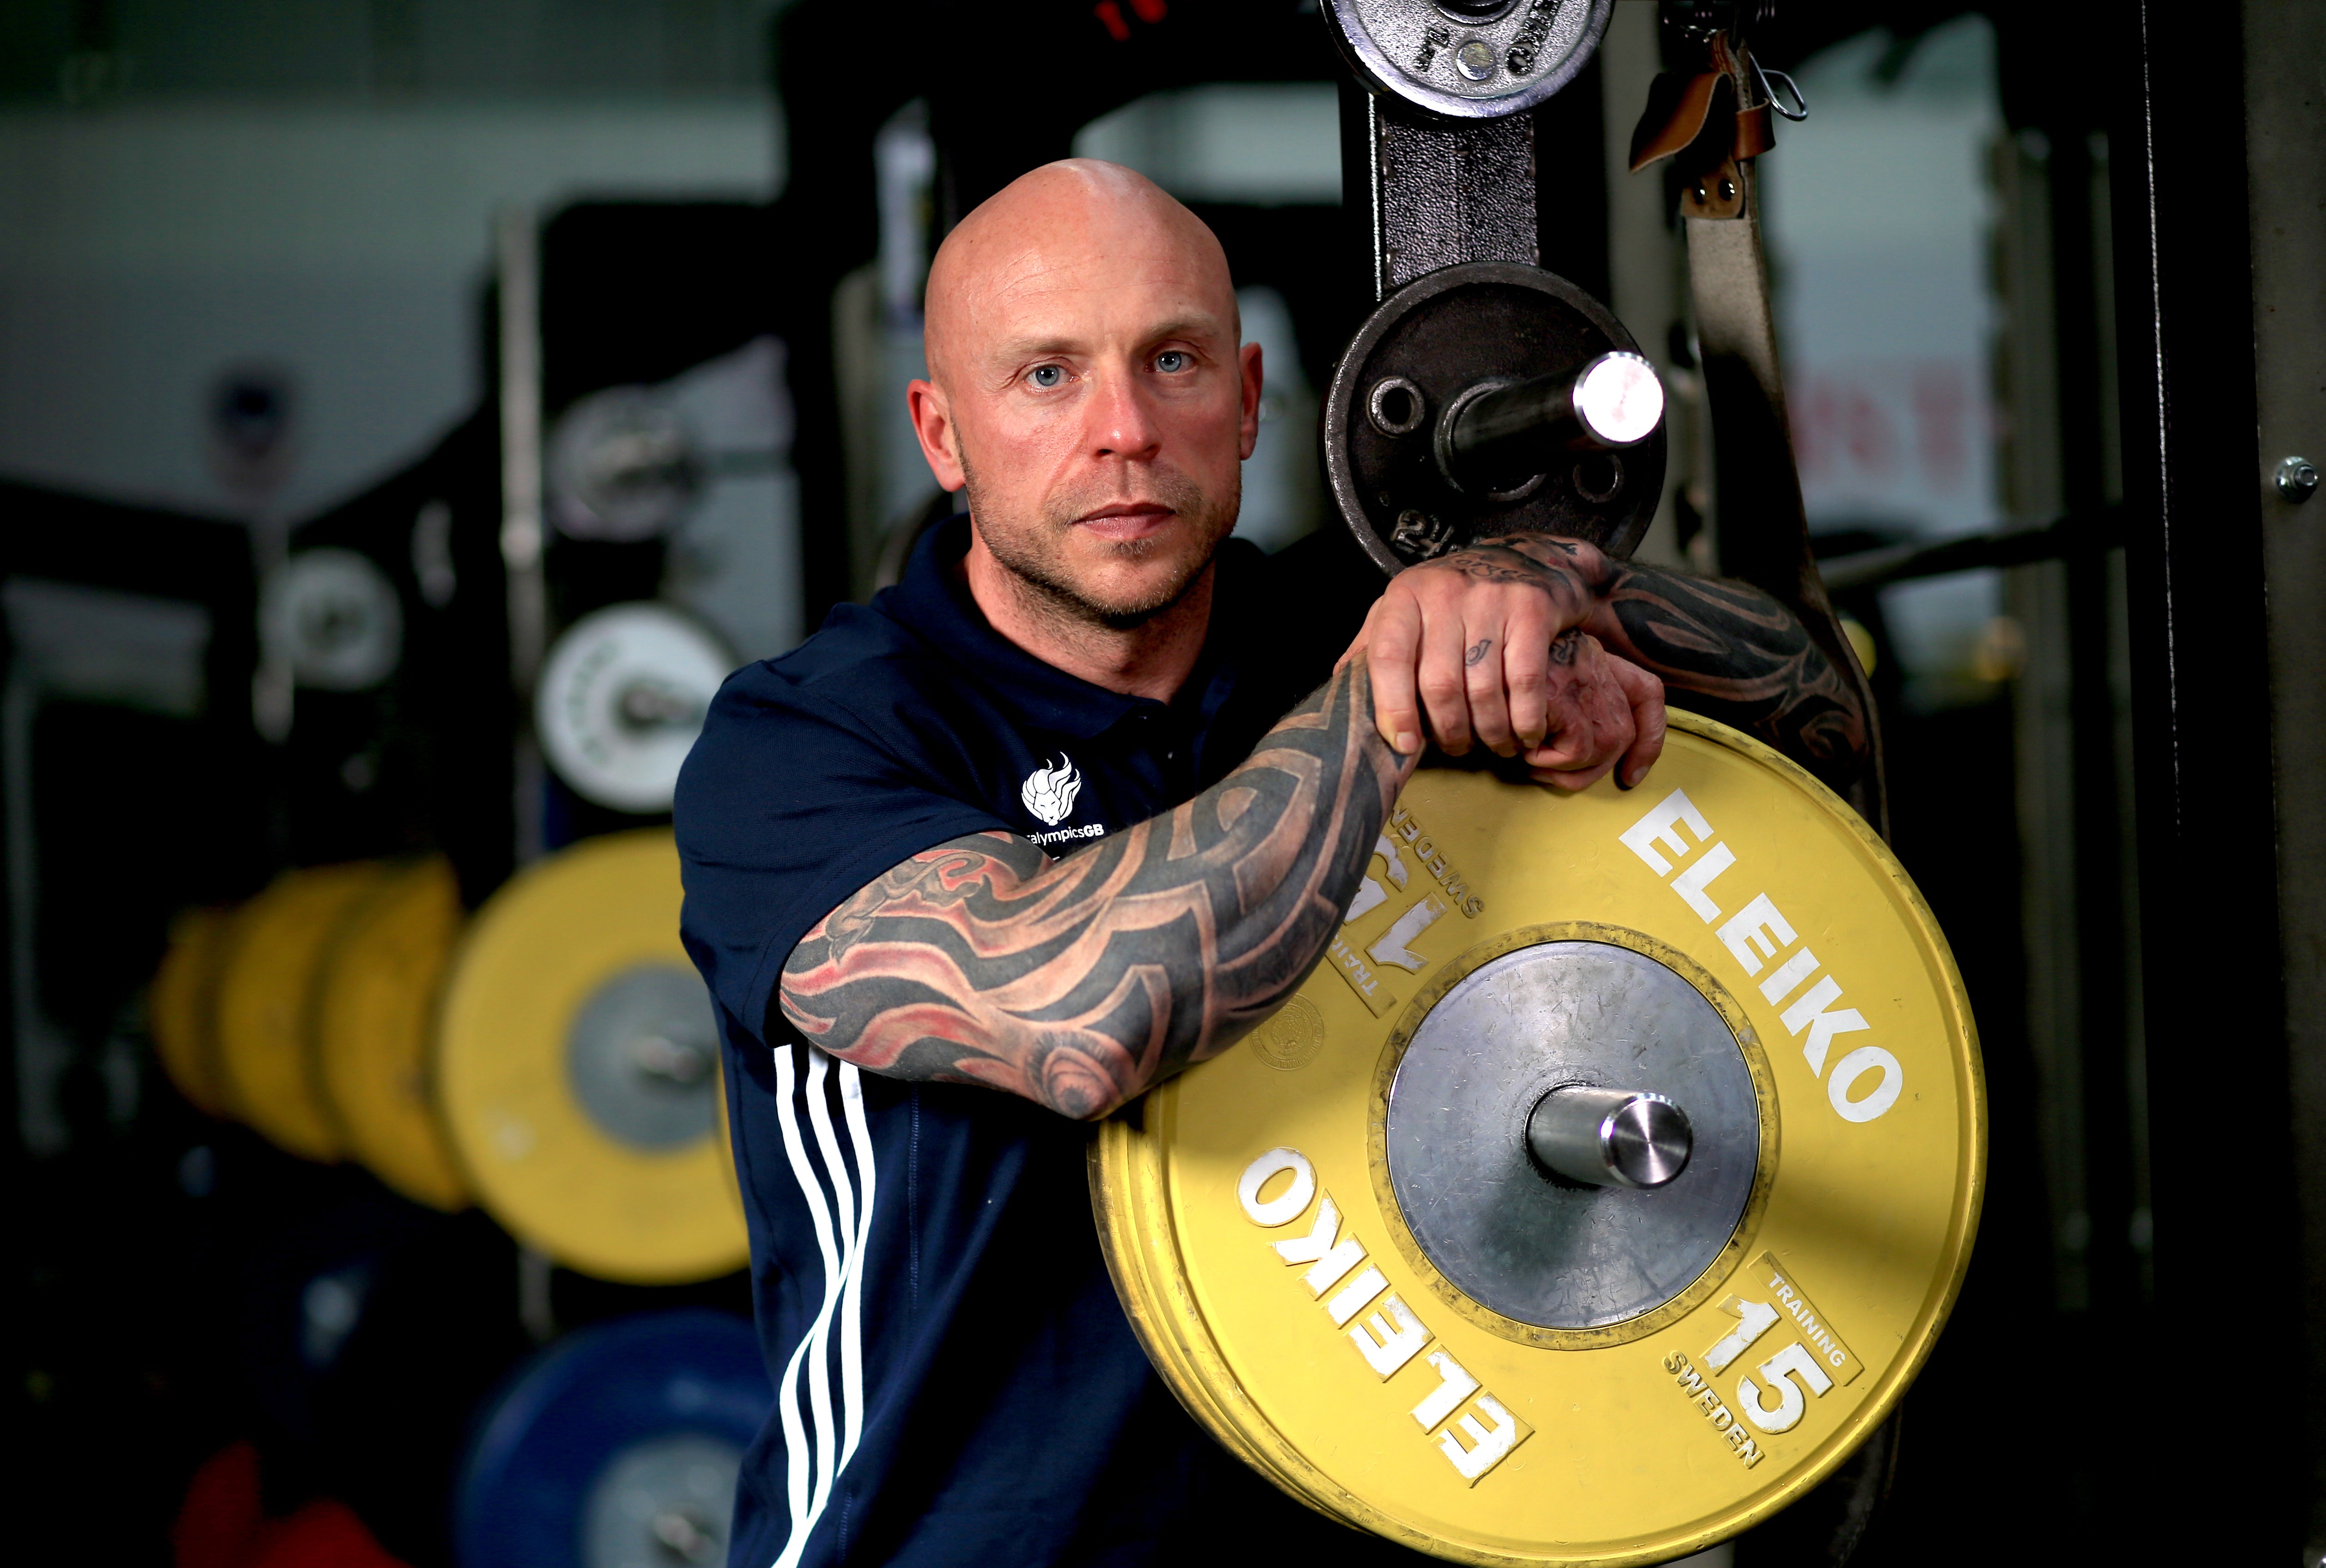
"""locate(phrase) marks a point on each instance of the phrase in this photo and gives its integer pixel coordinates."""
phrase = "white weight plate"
(622, 466)
(334, 616)
(622, 698)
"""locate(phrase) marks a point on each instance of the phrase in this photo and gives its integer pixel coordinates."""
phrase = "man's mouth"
(1119, 522)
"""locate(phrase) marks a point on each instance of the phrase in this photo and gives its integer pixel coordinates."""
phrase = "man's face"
(1092, 393)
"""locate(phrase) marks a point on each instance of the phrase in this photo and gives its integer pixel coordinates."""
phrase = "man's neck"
(1152, 660)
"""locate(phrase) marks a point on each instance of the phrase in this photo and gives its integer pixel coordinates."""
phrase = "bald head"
(1067, 227)
(1089, 386)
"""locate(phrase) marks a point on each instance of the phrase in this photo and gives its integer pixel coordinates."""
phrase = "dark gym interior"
(326, 328)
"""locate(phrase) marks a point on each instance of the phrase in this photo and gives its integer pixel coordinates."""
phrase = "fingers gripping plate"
(1353, 1264)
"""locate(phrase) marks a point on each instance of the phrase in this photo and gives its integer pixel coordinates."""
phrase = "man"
(1076, 804)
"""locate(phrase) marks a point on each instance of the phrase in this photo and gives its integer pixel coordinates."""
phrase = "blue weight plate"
(615, 1446)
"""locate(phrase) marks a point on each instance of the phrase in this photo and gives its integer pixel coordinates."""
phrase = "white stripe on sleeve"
(796, 1453)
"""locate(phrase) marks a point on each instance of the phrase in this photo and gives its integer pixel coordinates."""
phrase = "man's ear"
(940, 445)
(1248, 364)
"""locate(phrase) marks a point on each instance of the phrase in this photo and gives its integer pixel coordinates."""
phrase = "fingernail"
(1407, 743)
(1620, 783)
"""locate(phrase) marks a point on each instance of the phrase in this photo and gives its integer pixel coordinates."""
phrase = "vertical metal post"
(537, 1309)
(516, 250)
(1438, 192)
(2199, 588)
(517, 236)
(2285, 126)
(2045, 789)
(2105, 1030)
(41, 1052)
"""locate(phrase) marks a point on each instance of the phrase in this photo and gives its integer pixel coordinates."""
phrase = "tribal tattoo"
(1746, 659)
(1077, 983)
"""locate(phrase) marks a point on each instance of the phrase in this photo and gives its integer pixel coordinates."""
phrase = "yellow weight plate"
(179, 1003)
(375, 1016)
(266, 1039)
(577, 1069)
(1496, 1366)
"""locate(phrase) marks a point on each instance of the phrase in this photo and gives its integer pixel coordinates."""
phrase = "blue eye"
(1046, 376)
(1171, 361)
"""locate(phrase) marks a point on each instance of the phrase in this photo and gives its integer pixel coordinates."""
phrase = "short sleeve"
(788, 805)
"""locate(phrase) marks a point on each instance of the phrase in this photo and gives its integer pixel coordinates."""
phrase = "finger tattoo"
(1566, 645)
(1477, 651)
(1747, 658)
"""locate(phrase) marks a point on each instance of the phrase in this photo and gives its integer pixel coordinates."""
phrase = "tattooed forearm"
(1741, 653)
(1078, 983)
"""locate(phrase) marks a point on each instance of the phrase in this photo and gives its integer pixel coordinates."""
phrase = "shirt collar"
(932, 599)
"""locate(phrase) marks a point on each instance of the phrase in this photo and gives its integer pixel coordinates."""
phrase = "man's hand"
(1466, 637)
(1487, 643)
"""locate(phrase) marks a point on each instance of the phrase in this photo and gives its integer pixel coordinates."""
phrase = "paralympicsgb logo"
(1049, 792)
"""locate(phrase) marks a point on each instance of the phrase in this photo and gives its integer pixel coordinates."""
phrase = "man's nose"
(1122, 425)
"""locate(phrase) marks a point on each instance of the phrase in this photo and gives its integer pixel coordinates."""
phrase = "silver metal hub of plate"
(663, 1503)
(622, 466)
(1470, 60)
(1550, 1016)
(644, 1057)
(333, 616)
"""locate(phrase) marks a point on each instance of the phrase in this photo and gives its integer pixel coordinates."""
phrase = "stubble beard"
(1031, 550)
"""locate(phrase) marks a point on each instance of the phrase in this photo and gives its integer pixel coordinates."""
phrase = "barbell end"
(1613, 403)
(1610, 1137)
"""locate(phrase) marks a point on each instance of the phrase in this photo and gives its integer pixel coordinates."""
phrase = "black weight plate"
(1450, 331)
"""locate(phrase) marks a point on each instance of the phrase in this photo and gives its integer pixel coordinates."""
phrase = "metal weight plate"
(618, 1446)
(1470, 59)
(179, 1003)
(577, 1070)
(375, 1017)
(265, 1010)
(1443, 338)
(335, 618)
(622, 466)
(621, 699)
(1341, 1246)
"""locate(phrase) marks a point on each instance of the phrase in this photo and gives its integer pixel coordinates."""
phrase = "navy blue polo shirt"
(955, 1382)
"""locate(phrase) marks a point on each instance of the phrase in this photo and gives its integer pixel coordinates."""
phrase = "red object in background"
(1943, 424)
(1109, 16)
(221, 1512)
(325, 1533)
(222, 1523)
